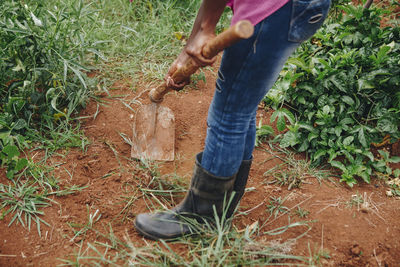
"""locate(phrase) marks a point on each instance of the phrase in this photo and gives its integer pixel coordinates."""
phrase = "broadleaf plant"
(342, 88)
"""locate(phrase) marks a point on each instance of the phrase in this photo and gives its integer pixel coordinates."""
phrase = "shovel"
(154, 127)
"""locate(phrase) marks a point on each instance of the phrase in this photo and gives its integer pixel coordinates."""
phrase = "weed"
(219, 245)
(394, 185)
(78, 258)
(263, 132)
(319, 253)
(144, 43)
(58, 137)
(68, 190)
(275, 206)
(302, 213)
(317, 256)
(287, 178)
(24, 201)
(92, 218)
(42, 175)
(382, 165)
(292, 172)
(130, 193)
(161, 191)
(9, 156)
(197, 77)
(356, 200)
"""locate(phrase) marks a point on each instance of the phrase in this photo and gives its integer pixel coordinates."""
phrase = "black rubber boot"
(206, 190)
(240, 185)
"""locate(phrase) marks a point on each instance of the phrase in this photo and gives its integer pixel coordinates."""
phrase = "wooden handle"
(241, 30)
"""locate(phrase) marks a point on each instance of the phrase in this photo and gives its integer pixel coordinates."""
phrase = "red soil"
(352, 235)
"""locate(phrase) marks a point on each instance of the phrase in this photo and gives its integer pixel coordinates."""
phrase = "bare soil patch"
(344, 231)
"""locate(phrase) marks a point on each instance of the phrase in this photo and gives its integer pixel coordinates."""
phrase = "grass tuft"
(24, 201)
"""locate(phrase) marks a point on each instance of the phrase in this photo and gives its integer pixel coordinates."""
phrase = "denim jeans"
(247, 72)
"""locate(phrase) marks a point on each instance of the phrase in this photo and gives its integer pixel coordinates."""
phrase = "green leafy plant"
(10, 156)
(42, 52)
(281, 115)
(197, 77)
(263, 132)
(382, 165)
(339, 93)
(10, 153)
(394, 185)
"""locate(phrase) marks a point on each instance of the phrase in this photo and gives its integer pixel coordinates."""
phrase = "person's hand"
(195, 46)
(203, 30)
(192, 52)
(181, 60)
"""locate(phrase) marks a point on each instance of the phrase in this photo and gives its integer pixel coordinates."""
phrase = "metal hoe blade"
(154, 133)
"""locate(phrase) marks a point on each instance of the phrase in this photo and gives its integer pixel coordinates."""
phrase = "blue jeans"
(247, 72)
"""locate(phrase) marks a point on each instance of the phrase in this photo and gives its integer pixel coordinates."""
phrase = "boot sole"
(143, 233)
(156, 238)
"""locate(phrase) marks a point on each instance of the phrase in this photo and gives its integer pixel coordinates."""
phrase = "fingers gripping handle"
(241, 30)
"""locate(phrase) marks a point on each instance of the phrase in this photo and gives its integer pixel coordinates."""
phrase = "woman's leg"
(248, 70)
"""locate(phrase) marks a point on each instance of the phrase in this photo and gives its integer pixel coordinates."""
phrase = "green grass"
(302, 213)
(276, 207)
(218, 245)
(292, 171)
(139, 38)
(81, 229)
(24, 202)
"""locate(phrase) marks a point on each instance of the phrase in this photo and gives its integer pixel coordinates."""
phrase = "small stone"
(355, 250)
(389, 193)
(365, 207)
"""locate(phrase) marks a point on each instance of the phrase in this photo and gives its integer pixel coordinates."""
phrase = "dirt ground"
(350, 233)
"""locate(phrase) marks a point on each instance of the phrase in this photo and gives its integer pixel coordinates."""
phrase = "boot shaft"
(206, 191)
(240, 185)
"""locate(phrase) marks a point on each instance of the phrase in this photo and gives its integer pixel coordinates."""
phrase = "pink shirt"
(254, 10)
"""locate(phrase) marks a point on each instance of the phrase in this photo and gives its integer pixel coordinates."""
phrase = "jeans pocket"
(307, 17)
